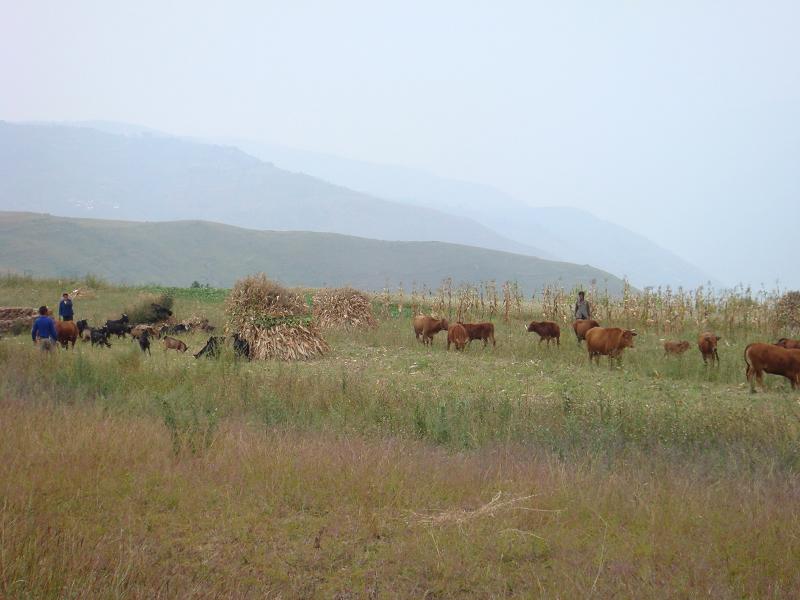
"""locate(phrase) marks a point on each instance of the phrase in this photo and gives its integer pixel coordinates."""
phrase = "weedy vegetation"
(388, 469)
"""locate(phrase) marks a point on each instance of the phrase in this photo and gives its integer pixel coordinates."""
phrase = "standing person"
(582, 308)
(43, 331)
(65, 307)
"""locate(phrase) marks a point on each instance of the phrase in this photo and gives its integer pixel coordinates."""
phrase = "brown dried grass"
(343, 307)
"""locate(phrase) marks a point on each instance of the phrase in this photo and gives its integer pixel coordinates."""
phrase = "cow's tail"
(747, 362)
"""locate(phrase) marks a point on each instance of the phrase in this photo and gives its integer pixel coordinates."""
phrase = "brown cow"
(772, 359)
(676, 347)
(609, 341)
(170, 343)
(427, 327)
(137, 331)
(707, 343)
(480, 331)
(788, 344)
(67, 332)
(581, 326)
(457, 334)
(547, 330)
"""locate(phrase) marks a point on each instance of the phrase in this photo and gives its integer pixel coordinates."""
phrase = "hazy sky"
(678, 119)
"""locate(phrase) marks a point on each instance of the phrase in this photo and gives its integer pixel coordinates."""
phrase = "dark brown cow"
(788, 344)
(457, 334)
(426, 327)
(480, 331)
(772, 359)
(608, 341)
(67, 332)
(707, 343)
(170, 343)
(676, 347)
(547, 330)
(581, 326)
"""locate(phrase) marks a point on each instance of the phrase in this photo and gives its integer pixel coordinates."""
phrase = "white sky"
(680, 120)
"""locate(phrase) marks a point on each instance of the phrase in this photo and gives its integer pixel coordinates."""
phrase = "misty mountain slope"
(177, 253)
(569, 234)
(78, 171)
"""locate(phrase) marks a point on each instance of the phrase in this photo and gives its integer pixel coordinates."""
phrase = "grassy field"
(390, 470)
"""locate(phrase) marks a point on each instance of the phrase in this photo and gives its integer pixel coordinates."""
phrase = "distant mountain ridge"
(79, 171)
(566, 233)
(177, 253)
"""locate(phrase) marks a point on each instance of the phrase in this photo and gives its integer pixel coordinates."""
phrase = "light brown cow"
(676, 347)
(707, 343)
(581, 326)
(67, 332)
(608, 341)
(426, 327)
(480, 331)
(170, 343)
(547, 330)
(773, 359)
(788, 344)
(457, 334)
(137, 331)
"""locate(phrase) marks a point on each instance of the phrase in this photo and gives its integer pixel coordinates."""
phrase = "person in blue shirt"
(43, 331)
(65, 307)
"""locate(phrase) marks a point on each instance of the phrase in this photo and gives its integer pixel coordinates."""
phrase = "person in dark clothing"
(43, 331)
(582, 308)
(65, 307)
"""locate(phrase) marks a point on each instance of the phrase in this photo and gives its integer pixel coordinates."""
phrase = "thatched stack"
(273, 320)
(343, 307)
(16, 318)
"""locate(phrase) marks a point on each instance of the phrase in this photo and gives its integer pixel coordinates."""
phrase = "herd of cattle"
(69, 332)
(781, 358)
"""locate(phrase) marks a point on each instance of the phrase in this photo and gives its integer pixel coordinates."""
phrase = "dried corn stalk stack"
(12, 318)
(343, 307)
(273, 320)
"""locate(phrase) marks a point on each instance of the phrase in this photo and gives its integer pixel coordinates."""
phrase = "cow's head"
(683, 345)
(444, 324)
(531, 326)
(627, 338)
(124, 318)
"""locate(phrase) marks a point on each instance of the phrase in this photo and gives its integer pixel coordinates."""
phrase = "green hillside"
(179, 252)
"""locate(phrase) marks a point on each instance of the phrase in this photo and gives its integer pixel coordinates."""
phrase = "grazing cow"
(772, 359)
(788, 344)
(457, 334)
(118, 327)
(676, 347)
(581, 326)
(170, 343)
(547, 330)
(609, 341)
(99, 336)
(480, 331)
(427, 327)
(172, 330)
(214, 345)
(707, 343)
(144, 342)
(67, 332)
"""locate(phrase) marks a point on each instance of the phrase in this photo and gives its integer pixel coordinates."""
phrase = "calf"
(608, 341)
(144, 342)
(480, 331)
(170, 343)
(788, 344)
(457, 334)
(773, 359)
(99, 336)
(426, 327)
(547, 330)
(67, 333)
(707, 343)
(676, 347)
(581, 326)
